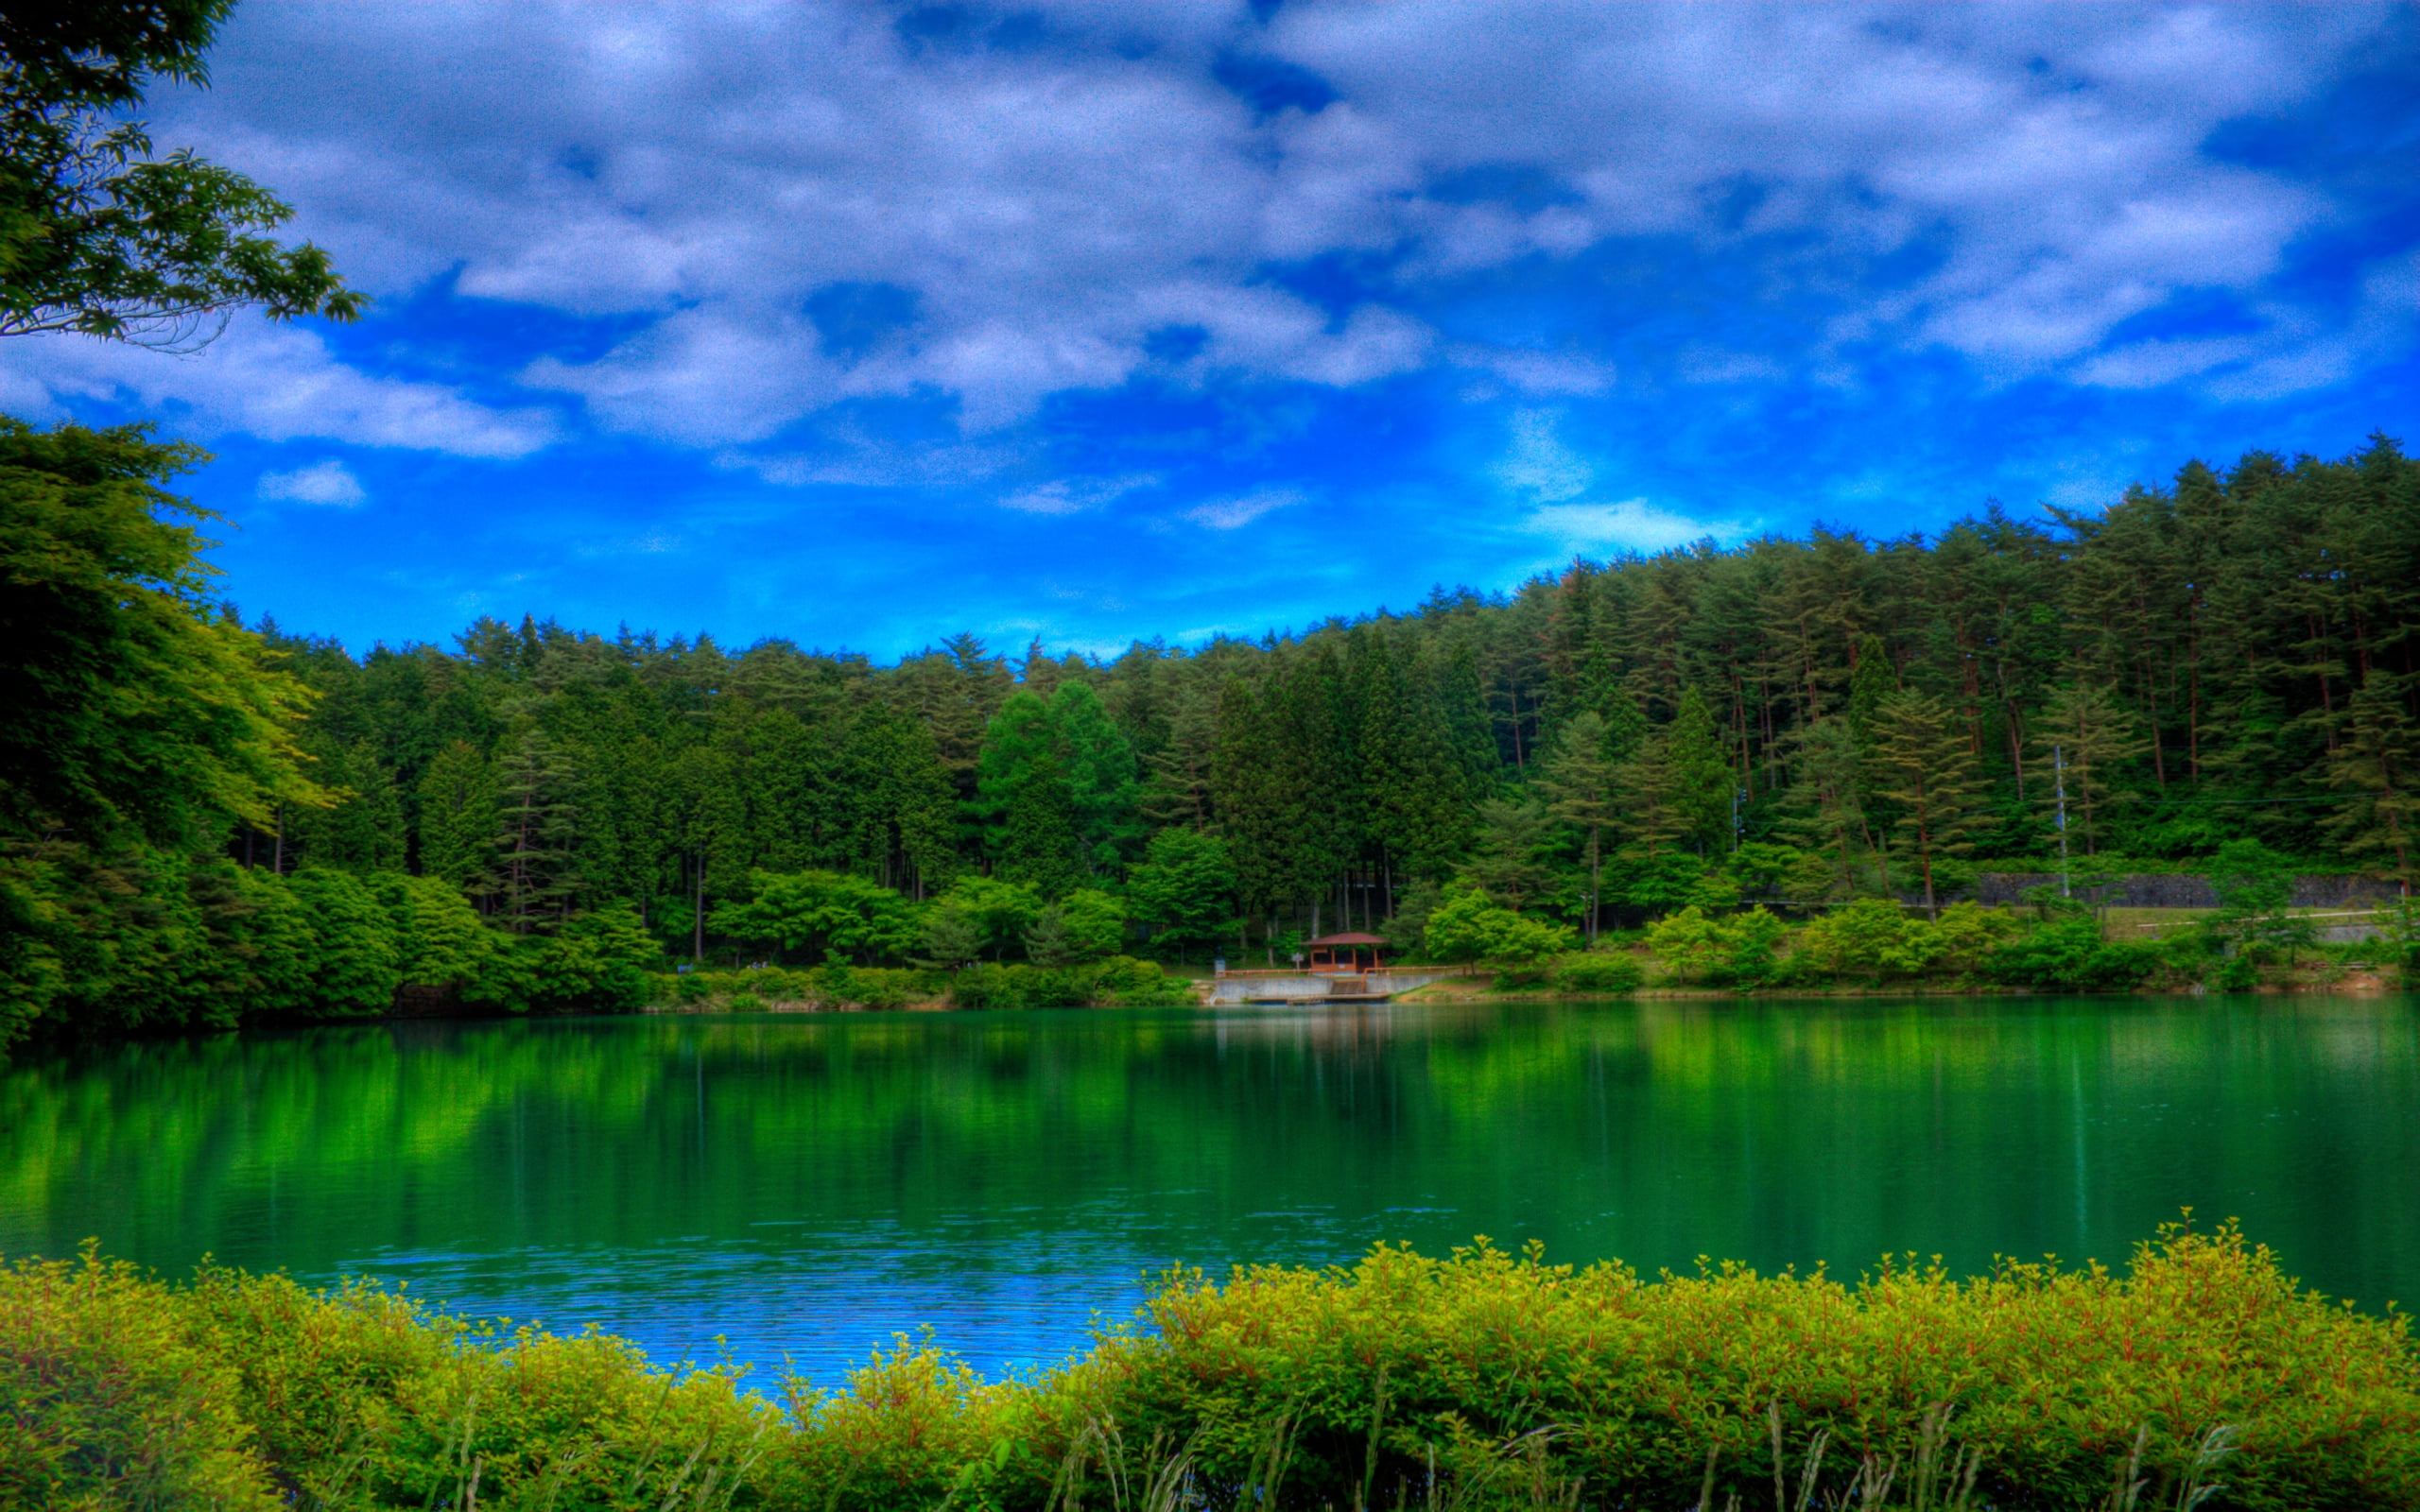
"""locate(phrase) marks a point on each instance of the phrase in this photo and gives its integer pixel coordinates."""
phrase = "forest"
(210, 820)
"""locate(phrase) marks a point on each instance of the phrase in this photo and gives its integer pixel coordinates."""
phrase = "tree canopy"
(98, 234)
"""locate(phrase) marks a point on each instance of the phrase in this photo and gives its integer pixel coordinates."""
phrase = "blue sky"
(860, 324)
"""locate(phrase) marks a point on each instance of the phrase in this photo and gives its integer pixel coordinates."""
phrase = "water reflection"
(808, 1186)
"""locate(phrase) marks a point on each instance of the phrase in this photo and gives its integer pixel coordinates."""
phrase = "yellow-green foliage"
(2048, 1375)
(107, 1400)
(1870, 939)
(1481, 1380)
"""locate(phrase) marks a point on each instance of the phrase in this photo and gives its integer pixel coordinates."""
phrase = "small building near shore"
(1344, 954)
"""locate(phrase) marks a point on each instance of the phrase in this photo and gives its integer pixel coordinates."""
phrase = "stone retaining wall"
(2185, 891)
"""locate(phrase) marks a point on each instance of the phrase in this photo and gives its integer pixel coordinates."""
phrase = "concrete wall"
(1311, 987)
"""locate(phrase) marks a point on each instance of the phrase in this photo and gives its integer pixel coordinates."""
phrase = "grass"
(2200, 1374)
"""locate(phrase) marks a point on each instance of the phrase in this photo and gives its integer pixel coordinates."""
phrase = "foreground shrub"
(2201, 1376)
(105, 1401)
(2044, 1380)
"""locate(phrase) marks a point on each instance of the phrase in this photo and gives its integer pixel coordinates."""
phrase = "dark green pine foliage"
(906, 819)
(1255, 812)
(1416, 794)
(1701, 775)
(363, 831)
(1314, 776)
(534, 860)
(458, 822)
(1036, 839)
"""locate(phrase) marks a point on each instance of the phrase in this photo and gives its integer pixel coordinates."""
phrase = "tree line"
(2228, 657)
(2231, 656)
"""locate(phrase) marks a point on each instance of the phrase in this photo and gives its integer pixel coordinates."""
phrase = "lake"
(803, 1187)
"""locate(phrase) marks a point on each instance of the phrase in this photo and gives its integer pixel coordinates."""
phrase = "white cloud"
(275, 382)
(706, 174)
(1543, 373)
(1230, 514)
(1632, 524)
(1538, 464)
(2150, 364)
(1074, 495)
(325, 482)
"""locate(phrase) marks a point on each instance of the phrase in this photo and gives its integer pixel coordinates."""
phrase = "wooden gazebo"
(1344, 954)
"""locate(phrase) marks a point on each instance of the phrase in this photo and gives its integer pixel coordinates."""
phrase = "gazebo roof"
(1348, 940)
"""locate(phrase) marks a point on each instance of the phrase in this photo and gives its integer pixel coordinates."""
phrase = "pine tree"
(1512, 858)
(1414, 792)
(1870, 685)
(914, 806)
(1582, 783)
(534, 844)
(2087, 734)
(1827, 799)
(2379, 765)
(1654, 815)
(1700, 774)
(363, 831)
(1248, 796)
(1923, 765)
(459, 820)
(705, 825)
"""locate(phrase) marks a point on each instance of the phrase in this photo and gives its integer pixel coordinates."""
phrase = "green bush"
(1600, 970)
(1120, 981)
(2067, 953)
(1467, 926)
(598, 961)
(1483, 1380)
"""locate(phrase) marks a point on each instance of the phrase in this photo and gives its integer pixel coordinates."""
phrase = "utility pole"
(1739, 826)
(2059, 765)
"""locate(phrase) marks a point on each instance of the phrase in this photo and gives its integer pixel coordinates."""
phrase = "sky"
(860, 324)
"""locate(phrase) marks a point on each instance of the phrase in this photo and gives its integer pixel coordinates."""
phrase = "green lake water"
(807, 1186)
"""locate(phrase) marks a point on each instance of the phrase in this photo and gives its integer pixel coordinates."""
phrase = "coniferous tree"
(1657, 815)
(1247, 793)
(363, 830)
(1700, 774)
(1414, 791)
(1871, 685)
(1924, 765)
(1828, 803)
(2378, 765)
(1582, 783)
(533, 844)
(459, 818)
(2087, 735)
(895, 760)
